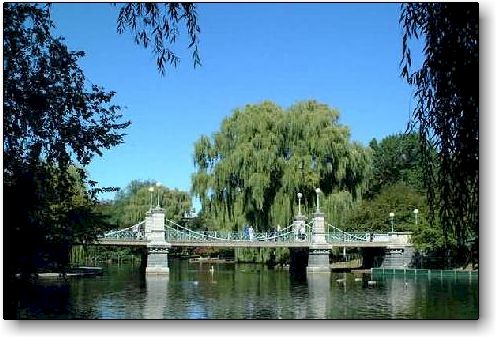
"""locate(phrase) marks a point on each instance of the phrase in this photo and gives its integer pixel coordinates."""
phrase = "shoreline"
(80, 271)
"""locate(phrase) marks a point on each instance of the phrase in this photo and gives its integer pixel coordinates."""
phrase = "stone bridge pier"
(318, 260)
(157, 247)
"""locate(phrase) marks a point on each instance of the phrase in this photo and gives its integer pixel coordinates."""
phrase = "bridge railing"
(135, 232)
(338, 234)
(347, 237)
(177, 232)
(176, 235)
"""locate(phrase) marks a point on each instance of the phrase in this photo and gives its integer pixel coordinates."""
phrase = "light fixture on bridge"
(317, 199)
(391, 216)
(415, 212)
(151, 190)
(299, 196)
(158, 185)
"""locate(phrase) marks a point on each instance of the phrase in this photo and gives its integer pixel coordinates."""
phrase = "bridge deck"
(243, 244)
(121, 242)
(262, 244)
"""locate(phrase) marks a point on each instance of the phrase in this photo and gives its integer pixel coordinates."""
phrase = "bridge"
(158, 234)
(181, 236)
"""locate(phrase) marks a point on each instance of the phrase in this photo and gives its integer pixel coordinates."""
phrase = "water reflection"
(156, 297)
(247, 291)
(319, 300)
(299, 293)
(402, 296)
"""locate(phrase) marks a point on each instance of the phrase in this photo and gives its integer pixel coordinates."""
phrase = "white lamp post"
(299, 196)
(416, 216)
(151, 190)
(158, 185)
(317, 199)
(391, 216)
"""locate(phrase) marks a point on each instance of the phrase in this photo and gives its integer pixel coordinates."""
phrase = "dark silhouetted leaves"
(52, 121)
(447, 111)
(159, 24)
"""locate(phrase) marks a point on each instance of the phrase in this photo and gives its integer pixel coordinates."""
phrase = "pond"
(247, 291)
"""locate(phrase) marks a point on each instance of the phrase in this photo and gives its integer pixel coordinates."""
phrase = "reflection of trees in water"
(253, 291)
(42, 300)
(389, 298)
(299, 294)
(258, 293)
(241, 291)
(247, 291)
(422, 297)
(402, 297)
(310, 294)
(456, 298)
(113, 295)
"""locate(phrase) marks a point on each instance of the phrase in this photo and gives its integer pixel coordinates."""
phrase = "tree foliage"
(447, 111)
(399, 198)
(51, 121)
(49, 113)
(131, 204)
(159, 25)
(396, 158)
(396, 186)
(252, 168)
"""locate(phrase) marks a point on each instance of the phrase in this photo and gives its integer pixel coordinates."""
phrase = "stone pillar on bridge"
(318, 231)
(299, 222)
(318, 260)
(157, 247)
(148, 224)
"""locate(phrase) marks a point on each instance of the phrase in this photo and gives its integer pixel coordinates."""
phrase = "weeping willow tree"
(251, 170)
(447, 113)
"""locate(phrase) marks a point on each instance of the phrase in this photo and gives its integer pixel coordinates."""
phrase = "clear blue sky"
(344, 55)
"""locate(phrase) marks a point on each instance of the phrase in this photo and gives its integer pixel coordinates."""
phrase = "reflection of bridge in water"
(158, 234)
